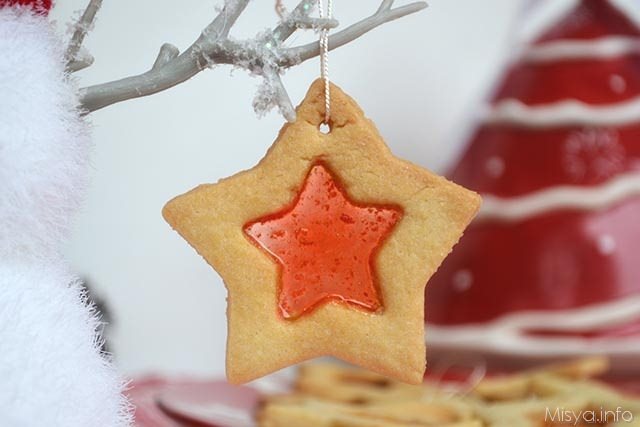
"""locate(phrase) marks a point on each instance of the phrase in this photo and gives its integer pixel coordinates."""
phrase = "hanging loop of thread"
(324, 58)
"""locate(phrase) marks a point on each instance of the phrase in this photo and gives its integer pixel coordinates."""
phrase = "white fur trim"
(44, 145)
(51, 371)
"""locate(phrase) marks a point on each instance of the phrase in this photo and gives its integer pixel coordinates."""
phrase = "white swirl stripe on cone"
(568, 112)
(558, 198)
(507, 334)
(51, 370)
(571, 50)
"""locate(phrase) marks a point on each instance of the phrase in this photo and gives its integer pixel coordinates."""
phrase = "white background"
(420, 79)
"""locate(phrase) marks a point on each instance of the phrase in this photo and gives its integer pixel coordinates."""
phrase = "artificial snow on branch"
(264, 55)
(77, 59)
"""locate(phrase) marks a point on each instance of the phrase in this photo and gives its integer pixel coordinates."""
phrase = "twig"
(307, 22)
(186, 65)
(385, 5)
(167, 53)
(263, 55)
(82, 60)
(282, 97)
(82, 27)
(287, 27)
(384, 14)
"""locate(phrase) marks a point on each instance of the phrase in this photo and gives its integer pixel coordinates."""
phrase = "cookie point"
(416, 379)
(475, 200)
(344, 110)
(235, 381)
(236, 376)
(169, 211)
(166, 211)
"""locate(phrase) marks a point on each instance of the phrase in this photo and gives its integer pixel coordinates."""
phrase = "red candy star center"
(325, 245)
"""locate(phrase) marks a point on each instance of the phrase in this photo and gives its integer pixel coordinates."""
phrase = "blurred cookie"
(562, 394)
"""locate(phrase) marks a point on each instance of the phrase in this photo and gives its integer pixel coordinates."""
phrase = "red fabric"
(39, 6)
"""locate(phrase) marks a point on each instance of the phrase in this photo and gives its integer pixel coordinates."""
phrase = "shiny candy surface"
(325, 245)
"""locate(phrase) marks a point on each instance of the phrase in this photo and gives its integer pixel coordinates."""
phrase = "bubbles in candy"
(325, 245)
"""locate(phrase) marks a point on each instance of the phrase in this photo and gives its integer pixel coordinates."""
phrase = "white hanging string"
(280, 9)
(324, 57)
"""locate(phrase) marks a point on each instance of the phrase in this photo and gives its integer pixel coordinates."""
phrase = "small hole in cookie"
(324, 128)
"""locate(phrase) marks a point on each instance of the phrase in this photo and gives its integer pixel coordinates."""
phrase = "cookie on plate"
(563, 394)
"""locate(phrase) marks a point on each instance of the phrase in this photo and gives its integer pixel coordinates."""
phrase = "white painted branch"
(263, 55)
(82, 27)
(287, 27)
(282, 97)
(307, 22)
(82, 60)
(385, 5)
(167, 53)
(186, 65)
(384, 14)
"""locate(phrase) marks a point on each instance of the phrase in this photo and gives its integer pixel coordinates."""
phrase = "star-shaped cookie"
(279, 235)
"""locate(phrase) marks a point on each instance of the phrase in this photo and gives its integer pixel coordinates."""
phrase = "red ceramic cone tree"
(552, 264)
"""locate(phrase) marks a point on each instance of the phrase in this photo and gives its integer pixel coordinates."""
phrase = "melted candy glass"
(325, 245)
